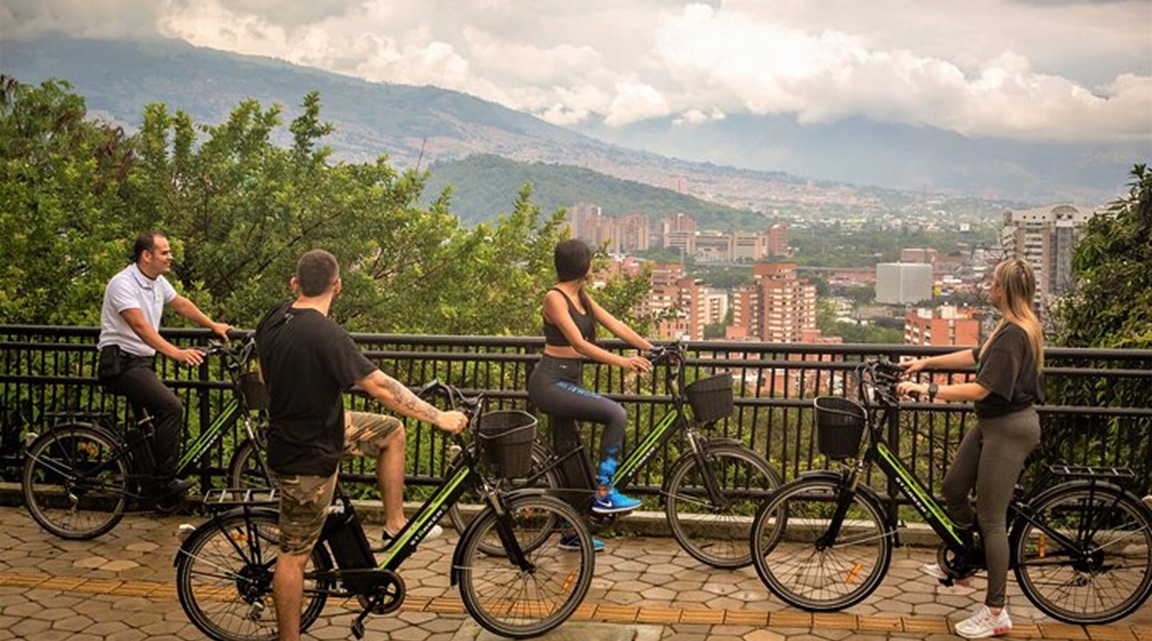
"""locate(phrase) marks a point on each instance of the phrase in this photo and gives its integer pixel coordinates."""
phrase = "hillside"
(415, 126)
(483, 181)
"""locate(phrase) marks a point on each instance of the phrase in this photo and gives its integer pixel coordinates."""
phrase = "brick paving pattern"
(120, 588)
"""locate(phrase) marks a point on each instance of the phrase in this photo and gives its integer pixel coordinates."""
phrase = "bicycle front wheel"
(716, 531)
(521, 600)
(224, 577)
(804, 562)
(1086, 555)
(471, 503)
(75, 481)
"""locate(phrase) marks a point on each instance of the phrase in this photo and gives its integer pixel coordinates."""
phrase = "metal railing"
(1097, 413)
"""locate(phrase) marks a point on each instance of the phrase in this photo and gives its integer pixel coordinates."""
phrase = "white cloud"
(1038, 69)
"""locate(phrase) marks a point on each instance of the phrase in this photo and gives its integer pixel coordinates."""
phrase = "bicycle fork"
(845, 493)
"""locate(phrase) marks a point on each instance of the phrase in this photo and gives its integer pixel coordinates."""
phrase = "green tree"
(61, 177)
(1112, 266)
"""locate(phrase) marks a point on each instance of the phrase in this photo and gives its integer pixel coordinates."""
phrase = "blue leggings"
(554, 388)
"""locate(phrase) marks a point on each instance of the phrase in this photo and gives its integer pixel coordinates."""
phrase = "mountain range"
(431, 127)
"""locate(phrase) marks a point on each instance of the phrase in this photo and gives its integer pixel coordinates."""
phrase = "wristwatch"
(932, 389)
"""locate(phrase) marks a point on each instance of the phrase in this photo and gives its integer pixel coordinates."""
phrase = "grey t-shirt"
(1007, 367)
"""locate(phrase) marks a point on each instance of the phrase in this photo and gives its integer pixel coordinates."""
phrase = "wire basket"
(254, 391)
(710, 398)
(839, 426)
(506, 438)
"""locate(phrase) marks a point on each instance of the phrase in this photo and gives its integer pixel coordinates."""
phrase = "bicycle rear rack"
(234, 497)
(1090, 471)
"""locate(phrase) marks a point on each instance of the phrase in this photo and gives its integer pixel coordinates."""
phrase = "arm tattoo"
(405, 402)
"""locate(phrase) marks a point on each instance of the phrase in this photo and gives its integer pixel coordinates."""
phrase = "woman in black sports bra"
(555, 387)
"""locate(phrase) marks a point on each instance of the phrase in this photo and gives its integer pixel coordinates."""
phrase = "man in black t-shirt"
(308, 361)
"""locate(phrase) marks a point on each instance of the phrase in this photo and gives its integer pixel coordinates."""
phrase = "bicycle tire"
(814, 577)
(470, 504)
(247, 469)
(59, 497)
(224, 577)
(516, 603)
(1108, 573)
(713, 536)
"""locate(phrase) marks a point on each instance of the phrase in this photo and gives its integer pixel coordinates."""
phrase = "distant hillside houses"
(634, 233)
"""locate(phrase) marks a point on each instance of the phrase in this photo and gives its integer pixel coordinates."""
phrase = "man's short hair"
(145, 242)
(316, 272)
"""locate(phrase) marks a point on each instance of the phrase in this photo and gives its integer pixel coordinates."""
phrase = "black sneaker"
(172, 487)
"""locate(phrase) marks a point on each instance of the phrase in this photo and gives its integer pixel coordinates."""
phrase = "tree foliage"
(239, 210)
(1112, 266)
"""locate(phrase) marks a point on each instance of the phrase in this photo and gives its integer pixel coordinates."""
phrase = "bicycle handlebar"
(469, 405)
(664, 353)
(883, 375)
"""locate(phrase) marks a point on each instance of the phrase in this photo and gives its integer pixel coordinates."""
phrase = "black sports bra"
(584, 322)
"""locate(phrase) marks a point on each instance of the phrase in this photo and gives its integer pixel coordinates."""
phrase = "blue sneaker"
(572, 542)
(613, 503)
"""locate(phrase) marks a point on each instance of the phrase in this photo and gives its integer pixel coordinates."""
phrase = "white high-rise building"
(903, 283)
(1046, 238)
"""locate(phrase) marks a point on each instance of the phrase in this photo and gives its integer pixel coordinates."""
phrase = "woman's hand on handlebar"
(908, 388)
(637, 364)
(913, 366)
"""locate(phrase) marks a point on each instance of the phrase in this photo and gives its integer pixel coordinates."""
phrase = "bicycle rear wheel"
(224, 577)
(75, 481)
(471, 503)
(717, 534)
(521, 602)
(798, 564)
(1103, 570)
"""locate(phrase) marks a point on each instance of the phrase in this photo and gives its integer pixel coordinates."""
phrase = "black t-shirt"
(308, 361)
(1007, 368)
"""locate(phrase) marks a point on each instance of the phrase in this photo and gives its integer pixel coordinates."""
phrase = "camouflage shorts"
(304, 499)
(367, 434)
(304, 502)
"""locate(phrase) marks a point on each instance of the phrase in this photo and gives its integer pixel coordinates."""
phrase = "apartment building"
(778, 307)
(1046, 238)
(944, 325)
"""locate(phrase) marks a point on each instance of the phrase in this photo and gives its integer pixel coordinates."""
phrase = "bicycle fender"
(727, 441)
(183, 549)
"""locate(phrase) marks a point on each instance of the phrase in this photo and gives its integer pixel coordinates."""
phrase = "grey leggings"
(989, 460)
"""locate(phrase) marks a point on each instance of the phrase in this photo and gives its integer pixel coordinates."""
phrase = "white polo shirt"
(131, 289)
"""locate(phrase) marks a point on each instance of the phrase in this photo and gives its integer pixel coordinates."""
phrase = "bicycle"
(712, 491)
(81, 474)
(224, 567)
(1081, 550)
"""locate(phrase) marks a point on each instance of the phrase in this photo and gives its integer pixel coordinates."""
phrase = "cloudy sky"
(1035, 70)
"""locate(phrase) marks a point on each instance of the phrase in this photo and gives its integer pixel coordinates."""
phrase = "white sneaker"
(434, 532)
(1148, 501)
(984, 624)
(936, 572)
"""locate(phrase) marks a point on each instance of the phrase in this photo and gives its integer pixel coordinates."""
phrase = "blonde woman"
(991, 456)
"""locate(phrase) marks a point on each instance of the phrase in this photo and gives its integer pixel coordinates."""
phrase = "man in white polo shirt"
(129, 340)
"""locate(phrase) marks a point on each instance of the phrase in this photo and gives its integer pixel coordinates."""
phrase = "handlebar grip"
(239, 334)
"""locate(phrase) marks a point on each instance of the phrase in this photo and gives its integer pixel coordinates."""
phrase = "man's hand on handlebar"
(452, 421)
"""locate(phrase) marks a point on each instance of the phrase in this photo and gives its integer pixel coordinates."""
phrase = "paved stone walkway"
(120, 588)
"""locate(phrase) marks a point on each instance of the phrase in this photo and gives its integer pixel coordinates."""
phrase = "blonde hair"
(1017, 291)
